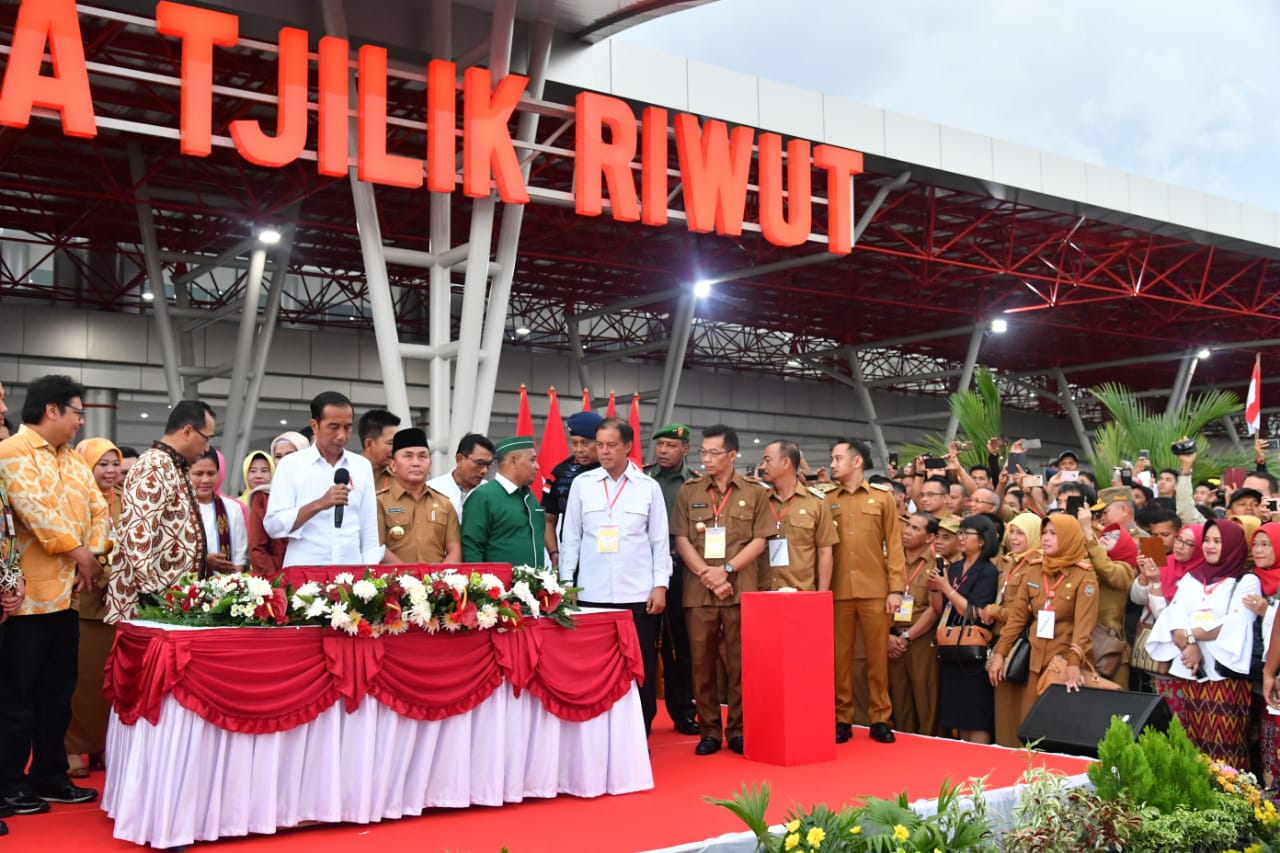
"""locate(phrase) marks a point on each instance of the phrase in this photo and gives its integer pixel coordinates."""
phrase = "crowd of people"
(1170, 590)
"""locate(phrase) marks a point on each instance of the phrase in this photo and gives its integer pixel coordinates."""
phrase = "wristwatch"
(1191, 638)
(728, 567)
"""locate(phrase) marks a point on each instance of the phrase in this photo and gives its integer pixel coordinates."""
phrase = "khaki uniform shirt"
(868, 558)
(745, 517)
(805, 523)
(670, 482)
(418, 530)
(916, 580)
(1075, 609)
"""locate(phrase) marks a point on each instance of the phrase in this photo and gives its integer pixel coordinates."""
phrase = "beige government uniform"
(868, 567)
(745, 516)
(418, 530)
(913, 678)
(1114, 579)
(1008, 698)
(804, 521)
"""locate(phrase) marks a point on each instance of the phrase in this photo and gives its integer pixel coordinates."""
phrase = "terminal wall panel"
(720, 93)
(13, 321)
(291, 351)
(1188, 207)
(118, 337)
(790, 110)
(1223, 216)
(1016, 165)
(849, 124)
(1257, 224)
(57, 334)
(912, 140)
(1107, 187)
(1149, 198)
(649, 76)
(338, 357)
(109, 376)
(1062, 176)
(967, 153)
(582, 67)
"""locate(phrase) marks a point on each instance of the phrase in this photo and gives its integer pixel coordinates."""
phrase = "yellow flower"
(900, 832)
(815, 837)
(792, 842)
(793, 826)
(856, 830)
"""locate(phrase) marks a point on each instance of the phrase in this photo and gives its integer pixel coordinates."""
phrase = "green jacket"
(502, 527)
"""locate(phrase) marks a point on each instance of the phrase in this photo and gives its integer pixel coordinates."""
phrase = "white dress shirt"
(235, 523)
(1223, 606)
(449, 487)
(305, 476)
(643, 558)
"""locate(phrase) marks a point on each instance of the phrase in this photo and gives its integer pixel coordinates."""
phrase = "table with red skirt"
(219, 732)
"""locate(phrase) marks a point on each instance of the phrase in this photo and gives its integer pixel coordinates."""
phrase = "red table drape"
(263, 680)
(296, 576)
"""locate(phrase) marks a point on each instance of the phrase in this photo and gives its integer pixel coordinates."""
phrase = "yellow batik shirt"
(57, 508)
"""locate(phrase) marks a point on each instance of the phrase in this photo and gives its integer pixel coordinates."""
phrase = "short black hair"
(372, 422)
(898, 486)
(1169, 471)
(728, 433)
(861, 447)
(328, 398)
(788, 449)
(940, 480)
(879, 480)
(1147, 493)
(212, 456)
(1078, 488)
(984, 469)
(192, 413)
(1272, 484)
(1155, 513)
(1210, 486)
(987, 529)
(624, 429)
(127, 452)
(930, 521)
(1088, 477)
(51, 390)
(471, 441)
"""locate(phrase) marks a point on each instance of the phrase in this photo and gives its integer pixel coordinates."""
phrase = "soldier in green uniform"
(416, 523)
(503, 522)
(671, 470)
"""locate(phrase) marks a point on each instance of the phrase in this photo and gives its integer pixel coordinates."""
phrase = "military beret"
(583, 424)
(517, 442)
(411, 437)
(680, 432)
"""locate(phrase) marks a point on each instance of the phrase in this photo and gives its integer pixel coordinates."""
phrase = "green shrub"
(1163, 771)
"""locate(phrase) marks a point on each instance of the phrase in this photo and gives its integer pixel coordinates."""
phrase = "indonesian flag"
(612, 410)
(636, 455)
(1253, 406)
(586, 399)
(554, 448)
(524, 419)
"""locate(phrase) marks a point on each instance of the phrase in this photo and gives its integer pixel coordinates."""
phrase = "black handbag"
(964, 643)
(1017, 666)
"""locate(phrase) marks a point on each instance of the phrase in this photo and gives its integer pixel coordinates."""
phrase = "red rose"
(548, 602)
(364, 629)
(495, 593)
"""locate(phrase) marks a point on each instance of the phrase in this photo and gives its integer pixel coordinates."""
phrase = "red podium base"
(788, 677)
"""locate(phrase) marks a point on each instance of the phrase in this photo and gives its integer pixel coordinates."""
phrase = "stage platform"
(671, 815)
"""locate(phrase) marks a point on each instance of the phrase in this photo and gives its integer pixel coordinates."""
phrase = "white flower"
(489, 581)
(343, 578)
(526, 597)
(316, 609)
(456, 582)
(310, 589)
(297, 602)
(258, 587)
(339, 618)
(364, 590)
(420, 614)
(488, 616)
(206, 608)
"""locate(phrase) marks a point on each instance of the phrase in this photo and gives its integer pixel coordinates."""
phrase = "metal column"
(100, 411)
(155, 275)
(440, 309)
(966, 376)
(1234, 435)
(1179, 381)
(681, 330)
(232, 424)
(471, 326)
(864, 395)
(1069, 403)
(270, 316)
(375, 263)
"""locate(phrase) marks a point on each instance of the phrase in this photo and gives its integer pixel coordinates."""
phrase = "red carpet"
(672, 813)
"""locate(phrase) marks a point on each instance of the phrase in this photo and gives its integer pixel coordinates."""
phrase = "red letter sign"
(653, 167)
(67, 91)
(841, 165)
(442, 125)
(374, 163)
(291, 110)
(715, 171)
(777, 228)
(487, 150)
(610, 160)
(200, 30)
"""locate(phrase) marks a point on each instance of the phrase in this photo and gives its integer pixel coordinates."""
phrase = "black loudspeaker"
(1074, 722)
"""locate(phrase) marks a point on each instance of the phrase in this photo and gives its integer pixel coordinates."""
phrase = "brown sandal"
(76, 768)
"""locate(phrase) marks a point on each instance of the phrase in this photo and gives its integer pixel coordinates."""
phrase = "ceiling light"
(1203, 353)
(148, 296)
(792, 362)
(268, 236)
(144, 416)
(522, 331)
(999, 325)
(284, 422)
(702, 289)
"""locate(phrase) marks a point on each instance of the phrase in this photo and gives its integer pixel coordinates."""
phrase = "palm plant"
(1134, 427)
(977, 414)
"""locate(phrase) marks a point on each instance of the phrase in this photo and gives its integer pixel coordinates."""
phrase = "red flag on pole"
(636, 455)
(1253, 407)
(524, 420)
(586, 399)
(554, 448)
(612, 411)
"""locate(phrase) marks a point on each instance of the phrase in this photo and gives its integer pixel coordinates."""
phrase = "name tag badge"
(903, 613)
(394, 510)
(607, 539)
(713, 544)
(1044, 624)
(779, 556)
(1202, 619)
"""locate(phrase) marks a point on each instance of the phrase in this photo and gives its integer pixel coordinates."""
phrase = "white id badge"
(779, 557)
(607, 539)
(1202, 619)
(1044, 624)
(903, 613)
(713, 544)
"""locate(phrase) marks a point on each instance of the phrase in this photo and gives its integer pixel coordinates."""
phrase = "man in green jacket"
(503, 522)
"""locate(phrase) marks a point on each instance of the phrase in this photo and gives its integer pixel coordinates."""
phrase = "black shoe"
(24, 804)
(6, 810)
(68, 793)
(844, 732)
(4, 829)
(708, 745)
(687, 726)
(881, 733)
(735, 743)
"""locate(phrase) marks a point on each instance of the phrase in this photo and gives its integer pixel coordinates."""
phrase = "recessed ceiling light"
(702, 289)
(268, 236)
(283, 422)
(522, 331)
(144, 415)
(148, 296)
(999, 325)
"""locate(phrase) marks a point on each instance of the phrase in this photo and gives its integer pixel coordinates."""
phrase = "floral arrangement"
(370, 605)
(238, 599)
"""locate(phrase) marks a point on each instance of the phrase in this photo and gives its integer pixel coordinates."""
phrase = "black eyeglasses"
(210, 437)
(479, 463)
(79, 412)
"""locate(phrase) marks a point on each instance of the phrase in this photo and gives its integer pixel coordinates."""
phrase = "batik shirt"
(57, 507)
(161, 535)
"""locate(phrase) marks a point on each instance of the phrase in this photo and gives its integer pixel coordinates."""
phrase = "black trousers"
(38, 661)
(677, 663)
(647, 632)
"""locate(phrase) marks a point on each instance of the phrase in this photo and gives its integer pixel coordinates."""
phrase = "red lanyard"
(719, 509)
(776, 517)
(915, 574)
(615, 497)
(1048, 596)
(1008, 575)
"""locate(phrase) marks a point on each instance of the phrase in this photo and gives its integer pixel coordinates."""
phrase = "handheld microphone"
(341, 477)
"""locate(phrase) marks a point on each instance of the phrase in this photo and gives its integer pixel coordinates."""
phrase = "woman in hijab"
(1206, 633)
(1022, 548)
(1059, 601)
(1152, 589)
(266, 555)
(87, 733)
(1114, 556)
(257, 470)
(227, 540)
(287, 442)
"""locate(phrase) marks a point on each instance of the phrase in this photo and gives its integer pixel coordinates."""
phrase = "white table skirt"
(187, 780)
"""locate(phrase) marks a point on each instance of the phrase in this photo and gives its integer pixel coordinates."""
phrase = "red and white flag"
(1253, 406)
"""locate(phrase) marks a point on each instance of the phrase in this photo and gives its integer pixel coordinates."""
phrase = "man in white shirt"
(471, 463)
(615, 538)
(306, 495)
